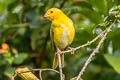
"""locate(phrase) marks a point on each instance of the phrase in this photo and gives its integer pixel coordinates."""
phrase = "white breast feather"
(64, 38)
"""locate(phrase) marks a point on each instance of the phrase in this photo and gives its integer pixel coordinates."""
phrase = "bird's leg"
(72, 50)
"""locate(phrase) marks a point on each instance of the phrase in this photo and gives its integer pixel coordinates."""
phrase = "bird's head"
(53, 13)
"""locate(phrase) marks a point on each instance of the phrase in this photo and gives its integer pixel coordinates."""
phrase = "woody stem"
(60, 65)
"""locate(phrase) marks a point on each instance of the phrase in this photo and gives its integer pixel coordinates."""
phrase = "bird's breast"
(62, 36)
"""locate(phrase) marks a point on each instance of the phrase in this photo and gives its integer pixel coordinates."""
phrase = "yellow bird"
(62, 32)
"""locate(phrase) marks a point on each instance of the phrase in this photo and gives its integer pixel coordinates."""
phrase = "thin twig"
(86, 44)
(40, 74)
(60, 65)
(47, 69)
(93, 53)
(40, 71)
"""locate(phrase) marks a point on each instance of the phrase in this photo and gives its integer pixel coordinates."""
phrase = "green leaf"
(8, 57)
(74, 78)
(114, 37)
(9, 72)
(114, 61)
(21, 57)
(21, 31)
(4, 4)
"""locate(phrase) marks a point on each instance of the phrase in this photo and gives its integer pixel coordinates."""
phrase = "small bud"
(5, 46)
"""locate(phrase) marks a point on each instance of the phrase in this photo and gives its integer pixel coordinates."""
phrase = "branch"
(60, 65)
(89, 42)
(40, 74)
(86, 44)
(21, 72)
(93, 53)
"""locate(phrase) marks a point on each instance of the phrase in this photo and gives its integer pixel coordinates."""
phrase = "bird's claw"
(58, 51)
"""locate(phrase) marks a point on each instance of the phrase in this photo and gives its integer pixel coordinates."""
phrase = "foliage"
(26, 33)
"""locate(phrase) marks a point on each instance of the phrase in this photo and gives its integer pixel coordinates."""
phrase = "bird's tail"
(55, 61)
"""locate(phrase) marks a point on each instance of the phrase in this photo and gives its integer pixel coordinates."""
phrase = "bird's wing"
(52, 37)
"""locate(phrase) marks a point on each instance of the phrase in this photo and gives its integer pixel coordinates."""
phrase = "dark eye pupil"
(51, 11)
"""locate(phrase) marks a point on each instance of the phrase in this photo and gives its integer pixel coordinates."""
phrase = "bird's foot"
(72, 50)
(58, 51)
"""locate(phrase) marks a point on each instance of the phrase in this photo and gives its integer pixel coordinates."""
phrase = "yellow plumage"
(62, 31)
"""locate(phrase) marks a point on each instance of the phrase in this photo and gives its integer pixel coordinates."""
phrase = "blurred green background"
(24, 33)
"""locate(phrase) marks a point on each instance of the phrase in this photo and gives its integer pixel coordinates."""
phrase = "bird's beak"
(45, 15)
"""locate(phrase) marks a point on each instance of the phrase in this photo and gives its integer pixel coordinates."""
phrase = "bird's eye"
(51, 11)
